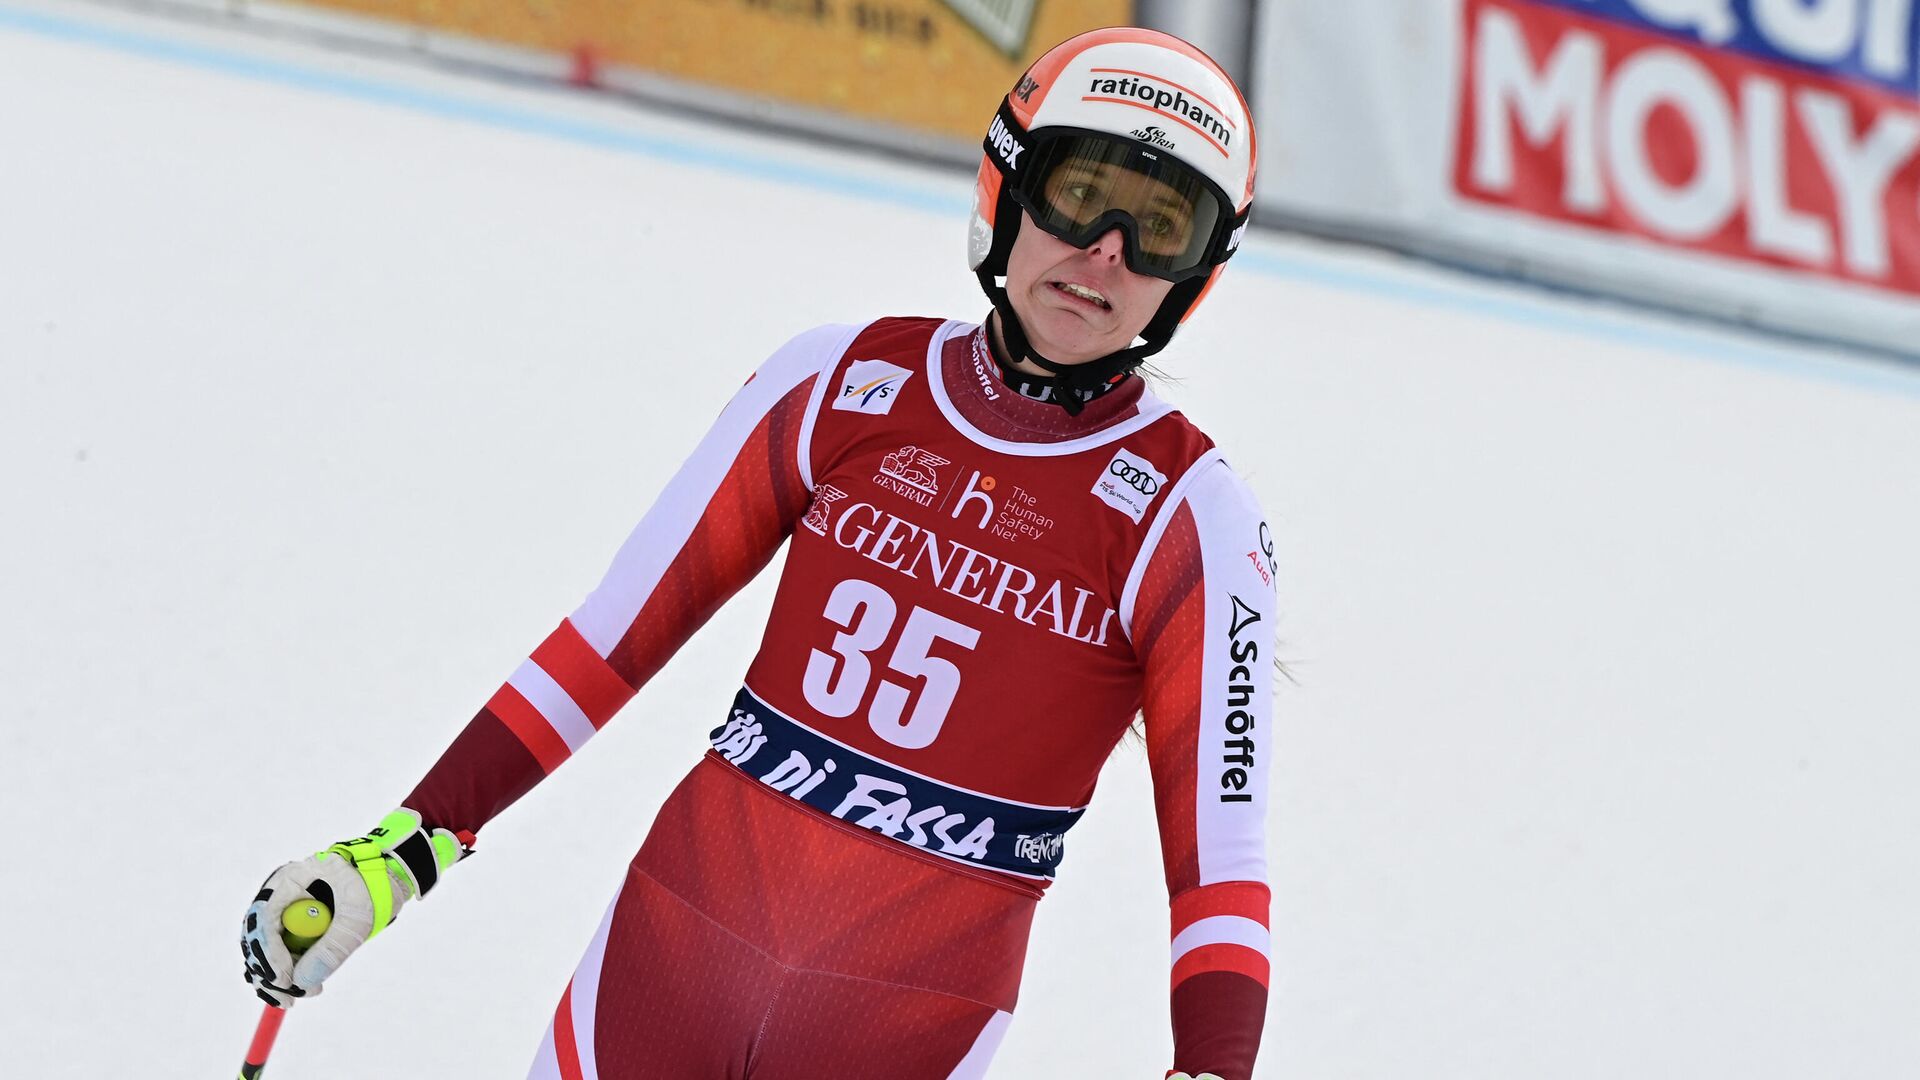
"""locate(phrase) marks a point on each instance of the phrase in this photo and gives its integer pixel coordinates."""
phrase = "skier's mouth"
(1083, 294)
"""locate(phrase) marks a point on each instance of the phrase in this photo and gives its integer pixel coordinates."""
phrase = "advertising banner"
(1752, 158)
(927, 65)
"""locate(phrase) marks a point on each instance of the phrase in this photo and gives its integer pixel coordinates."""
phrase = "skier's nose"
(1108, 246)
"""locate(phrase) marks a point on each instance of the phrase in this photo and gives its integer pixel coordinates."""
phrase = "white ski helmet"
(1162, 125)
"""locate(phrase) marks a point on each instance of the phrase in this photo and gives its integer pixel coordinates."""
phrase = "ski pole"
(300, 926)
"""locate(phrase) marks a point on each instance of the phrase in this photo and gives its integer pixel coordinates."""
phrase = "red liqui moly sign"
(1783, 132)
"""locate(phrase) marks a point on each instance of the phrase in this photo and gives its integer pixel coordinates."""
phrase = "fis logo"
(1002, 141)
(1129, 484)
(870, 387)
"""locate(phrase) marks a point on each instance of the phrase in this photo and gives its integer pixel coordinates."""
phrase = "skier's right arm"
(715, 525)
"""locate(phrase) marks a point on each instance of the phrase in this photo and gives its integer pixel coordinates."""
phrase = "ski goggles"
(1079, 185)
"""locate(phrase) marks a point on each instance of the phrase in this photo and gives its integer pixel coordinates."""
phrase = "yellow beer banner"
(934, 65)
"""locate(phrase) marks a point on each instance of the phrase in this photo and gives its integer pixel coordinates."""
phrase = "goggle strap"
(1007, 143)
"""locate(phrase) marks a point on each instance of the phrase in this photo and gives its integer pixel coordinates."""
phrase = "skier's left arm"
(1201, 616)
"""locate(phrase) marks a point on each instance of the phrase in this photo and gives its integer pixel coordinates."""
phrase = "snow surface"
(328, 385)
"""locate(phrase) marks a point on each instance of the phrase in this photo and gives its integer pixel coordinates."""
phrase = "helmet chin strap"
(1072, 378)
(1076, 382)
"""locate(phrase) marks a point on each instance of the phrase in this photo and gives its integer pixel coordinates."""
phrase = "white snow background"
(329, 384)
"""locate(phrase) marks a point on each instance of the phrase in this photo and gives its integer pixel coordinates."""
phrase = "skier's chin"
(1068, 337)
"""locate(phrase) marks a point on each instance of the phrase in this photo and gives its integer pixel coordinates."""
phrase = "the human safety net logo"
(870, 386)
(1129, 484)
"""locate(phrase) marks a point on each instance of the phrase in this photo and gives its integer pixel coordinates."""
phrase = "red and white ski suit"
(981, 594)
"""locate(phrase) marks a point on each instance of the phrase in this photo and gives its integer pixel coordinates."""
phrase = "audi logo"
(1139, 479)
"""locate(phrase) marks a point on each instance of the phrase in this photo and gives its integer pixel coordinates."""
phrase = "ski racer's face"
(1077, 304)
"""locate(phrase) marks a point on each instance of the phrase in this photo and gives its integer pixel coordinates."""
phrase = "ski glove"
(365, 881)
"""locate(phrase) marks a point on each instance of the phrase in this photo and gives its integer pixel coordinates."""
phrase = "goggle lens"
(1079, 187)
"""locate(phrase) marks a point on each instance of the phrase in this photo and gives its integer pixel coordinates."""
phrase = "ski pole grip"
(303, 923)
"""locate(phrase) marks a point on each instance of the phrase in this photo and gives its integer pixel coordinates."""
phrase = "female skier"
(1004, 547)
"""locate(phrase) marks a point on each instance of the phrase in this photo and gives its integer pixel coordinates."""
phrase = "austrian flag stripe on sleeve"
(529, 727)
(553, 703)
(1221, 928)
(557, 698)
(1235, 958)
(587, 678)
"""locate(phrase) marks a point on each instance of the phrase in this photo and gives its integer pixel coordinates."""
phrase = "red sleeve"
(1203, 624)
(715, 525)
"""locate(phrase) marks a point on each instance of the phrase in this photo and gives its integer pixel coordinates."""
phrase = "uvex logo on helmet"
(1005, 143)
(1170, 100)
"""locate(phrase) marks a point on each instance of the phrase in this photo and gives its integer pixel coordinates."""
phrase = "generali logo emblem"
(911, 472)
(870, 386)
(822, 508)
